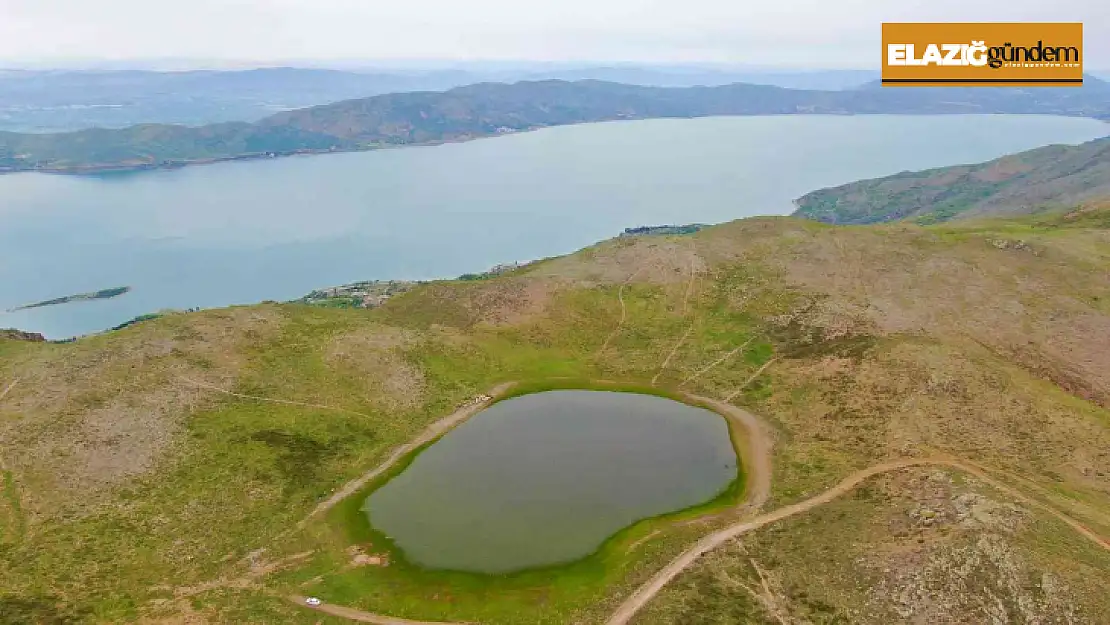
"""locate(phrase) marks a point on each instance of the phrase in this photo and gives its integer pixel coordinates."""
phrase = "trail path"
(756, 444)
(674, 350)
(706, 369)
(624, 312)
(647, 592)
(8, 389)
(429, 434)
(689, 330)
(751, 379)
(363, 617)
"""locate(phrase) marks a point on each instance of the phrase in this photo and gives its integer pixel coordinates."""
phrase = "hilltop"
(489, 109)
(168, 472)
(61, 100)
(1051, 177)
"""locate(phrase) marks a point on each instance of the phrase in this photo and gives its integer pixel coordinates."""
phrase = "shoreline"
(362, 294)
(123, 168)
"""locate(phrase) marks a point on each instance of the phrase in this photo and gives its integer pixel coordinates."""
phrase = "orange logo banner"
(982, 55)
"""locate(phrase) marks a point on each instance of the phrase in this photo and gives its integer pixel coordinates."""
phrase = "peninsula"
(1051, 177)
(492, 109)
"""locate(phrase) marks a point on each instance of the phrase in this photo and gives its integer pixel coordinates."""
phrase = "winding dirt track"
(624, 312)
(756, 442)
(648, 591)
(362, 617)
(429, 434)
(753, 438)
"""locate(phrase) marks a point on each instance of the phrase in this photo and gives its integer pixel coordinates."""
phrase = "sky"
(786, 33)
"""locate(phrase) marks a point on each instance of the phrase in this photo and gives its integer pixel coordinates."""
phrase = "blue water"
(546, 478)
(243, 232)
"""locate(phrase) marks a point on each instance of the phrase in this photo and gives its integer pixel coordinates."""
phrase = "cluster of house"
(366, 294)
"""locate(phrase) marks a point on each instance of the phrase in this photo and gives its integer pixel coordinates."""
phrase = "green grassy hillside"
(166, 472)
(1051, 177)
(491, 108)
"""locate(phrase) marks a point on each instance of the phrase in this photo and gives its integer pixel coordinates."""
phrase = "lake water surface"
(243, 232)
(546, 478)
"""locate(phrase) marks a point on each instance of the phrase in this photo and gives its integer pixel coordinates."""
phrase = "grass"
(871, 557)
(883, 342)
(531, 596)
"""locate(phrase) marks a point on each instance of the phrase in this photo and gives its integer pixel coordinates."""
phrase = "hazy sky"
(816, 33)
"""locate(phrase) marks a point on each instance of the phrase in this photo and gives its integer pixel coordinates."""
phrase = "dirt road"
(429, 434)
(756, 444)
(363, 617)
(755, 441)
(647, 592)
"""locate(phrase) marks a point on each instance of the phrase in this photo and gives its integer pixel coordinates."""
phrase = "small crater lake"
(546, 478)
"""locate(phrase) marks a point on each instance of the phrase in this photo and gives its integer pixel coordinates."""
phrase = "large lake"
(546, 478)
(243, 232)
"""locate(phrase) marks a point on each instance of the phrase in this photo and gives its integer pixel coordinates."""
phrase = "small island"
(80, 297)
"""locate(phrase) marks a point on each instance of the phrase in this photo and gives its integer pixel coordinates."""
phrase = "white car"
(312, 601)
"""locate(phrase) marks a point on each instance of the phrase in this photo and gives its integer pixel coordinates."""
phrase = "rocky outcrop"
(19, 335)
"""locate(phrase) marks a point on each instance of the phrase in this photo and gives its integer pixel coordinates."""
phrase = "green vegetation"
(916, 542)
(138, 490)
(138, 319)
(489, 109)
(1051, 177)
(568, 589)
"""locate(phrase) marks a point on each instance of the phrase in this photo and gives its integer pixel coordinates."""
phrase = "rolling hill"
(934, 402)
(1044, 178)
(66, 100)
(489, 109)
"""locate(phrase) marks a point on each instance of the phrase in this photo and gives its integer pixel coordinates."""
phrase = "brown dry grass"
(659, 260)
(375, 355)
(1036, 309)
(83, 421)
(858, 344)
(918, 546)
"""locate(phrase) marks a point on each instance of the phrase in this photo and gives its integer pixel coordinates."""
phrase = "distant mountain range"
(489, 109)
(1054, 176)
(58, 101)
